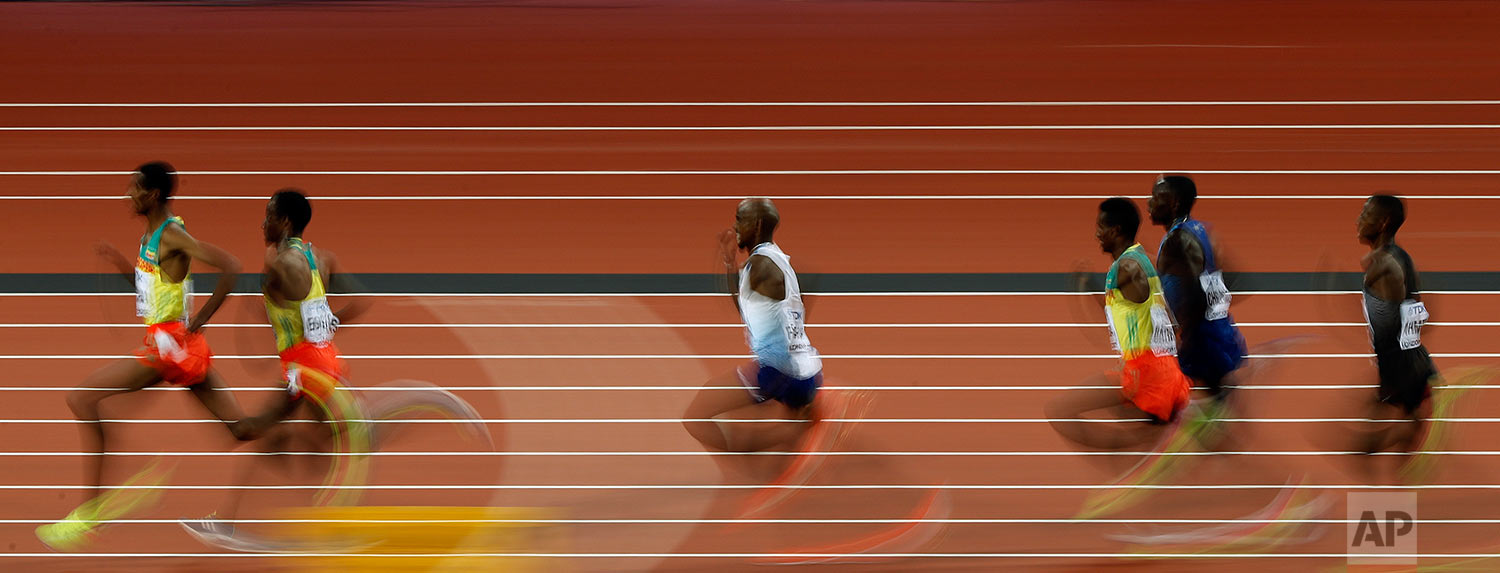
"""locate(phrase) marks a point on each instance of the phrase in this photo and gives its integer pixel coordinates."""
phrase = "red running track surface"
(869, 222)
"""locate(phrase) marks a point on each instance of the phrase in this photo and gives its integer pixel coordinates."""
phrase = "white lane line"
(794, 556)
(830, 487)
(719, 356)
(675, 453)
(1207, 46)
(697, 388)
(668, 172)
(749, 421)
(787, 521)
(525, 104)
(892, 197)
(912, 294)
(907, 294)
(745, 128)
(537, 325)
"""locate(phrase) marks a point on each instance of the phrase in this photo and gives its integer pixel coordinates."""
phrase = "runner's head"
(287, 214)
(1381, 217)
(151, 186)
(1172, 198)
(1118, 221)
(755, 222)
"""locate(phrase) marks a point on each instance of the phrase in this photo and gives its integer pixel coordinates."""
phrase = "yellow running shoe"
(74, 532)
(82, 525)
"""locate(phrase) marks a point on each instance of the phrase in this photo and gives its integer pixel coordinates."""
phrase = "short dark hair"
(158, 176)
(1393, 208)
(292, 204)
(1121, 213)
(1183, 188)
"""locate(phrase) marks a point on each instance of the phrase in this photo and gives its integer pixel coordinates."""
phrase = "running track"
(566, 196)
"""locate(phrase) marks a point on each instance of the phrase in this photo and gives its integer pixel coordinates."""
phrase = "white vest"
(774, 328)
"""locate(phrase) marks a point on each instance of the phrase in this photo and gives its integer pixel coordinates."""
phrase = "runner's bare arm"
(766, 278)
(1384, 277)
(1132, 281)
(177, 240)
(116, 259)
(342, 282)
(1196, 305)
(1085, 309)
(1081, 280)
(729, 254)
(1227, 264)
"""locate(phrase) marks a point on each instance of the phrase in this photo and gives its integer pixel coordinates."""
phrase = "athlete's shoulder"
(1377, 261)
(1190, 233)
(1383, 269)
(1175, 240)
(761, 265)
(1130, 265)
(174, 234)
(766, 277)
(1399, 254)
(288, 258)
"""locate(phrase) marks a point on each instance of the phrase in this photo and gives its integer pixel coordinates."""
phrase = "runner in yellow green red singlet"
(175, 351)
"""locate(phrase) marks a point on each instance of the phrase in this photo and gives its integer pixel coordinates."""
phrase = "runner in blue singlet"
(1212, 347)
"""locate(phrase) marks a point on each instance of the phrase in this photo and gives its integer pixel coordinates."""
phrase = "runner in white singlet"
(784, 378)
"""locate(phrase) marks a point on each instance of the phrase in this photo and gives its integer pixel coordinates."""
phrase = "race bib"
(143, 285)
(167, 347)
(187, 298)
(796, 333)
(318, 321)
(1114, 338)
(1413, 316)
(1163, 338)
(1217, 293)
(294, 382)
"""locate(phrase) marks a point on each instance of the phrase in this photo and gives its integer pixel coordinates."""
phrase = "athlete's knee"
(1059, 407)
(707, 433)
(244, 430)
(83, 403)
(694, 428)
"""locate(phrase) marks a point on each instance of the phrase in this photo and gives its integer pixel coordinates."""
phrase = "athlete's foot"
(1161, 463)
(1365, 464)
(1206, 423)
(841, 410)
(69, 535)
(75, 531)
(834, 415)
(82, 525)
(922, 529)
(1291, 518)
(1420, 464)
(209, 527)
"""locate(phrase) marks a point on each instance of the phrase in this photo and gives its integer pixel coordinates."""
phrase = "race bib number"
(167, 347)
(318, 321)
(294, 382)
(796, 335)
(1413, 316)
(1217, 293)
(794, 329)
(1114, 338)
(187, 298)
(143, 285)
(1163, 338)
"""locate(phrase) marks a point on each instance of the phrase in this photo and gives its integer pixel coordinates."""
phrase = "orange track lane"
(833, 236)
(744, 51)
